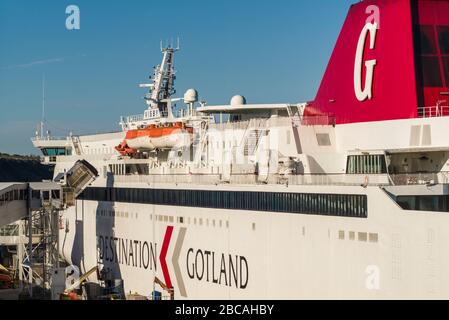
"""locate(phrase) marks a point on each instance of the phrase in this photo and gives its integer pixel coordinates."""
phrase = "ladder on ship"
(294, 114)
(77, 144)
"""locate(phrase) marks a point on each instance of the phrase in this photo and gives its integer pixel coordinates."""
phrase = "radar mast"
(163, 78)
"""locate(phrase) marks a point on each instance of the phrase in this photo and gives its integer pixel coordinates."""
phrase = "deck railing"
(420, 178)
(433, 112)
(307, 179)
(49, 138)
(251, 179)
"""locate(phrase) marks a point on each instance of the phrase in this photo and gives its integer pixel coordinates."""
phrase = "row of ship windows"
(117, 214)
(361, 236)
(164, 218)
(344, 205)
(351, 235)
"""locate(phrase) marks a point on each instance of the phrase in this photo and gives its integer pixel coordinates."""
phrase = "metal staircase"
(294, 113)
(77, 144)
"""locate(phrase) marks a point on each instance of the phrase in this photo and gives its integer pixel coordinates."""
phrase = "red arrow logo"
(163, 255)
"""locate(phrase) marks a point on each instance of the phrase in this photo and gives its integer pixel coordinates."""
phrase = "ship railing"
(251, 179)
(264, 123)
(255, 123)
(184, 176)
(141, 117)
(48, 138)
(420, 178)
(336, 179)
(433, 112)
(237, 125)
(134, 118)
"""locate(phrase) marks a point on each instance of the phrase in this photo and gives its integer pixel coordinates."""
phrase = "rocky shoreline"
(19, 168)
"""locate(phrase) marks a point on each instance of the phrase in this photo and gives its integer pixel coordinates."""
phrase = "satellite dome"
(191, 96)
(238, 100)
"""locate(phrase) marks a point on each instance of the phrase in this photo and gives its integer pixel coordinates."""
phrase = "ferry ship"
(342, 197)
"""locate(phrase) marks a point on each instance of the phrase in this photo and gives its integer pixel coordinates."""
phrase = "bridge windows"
(51, 152)
(366, 164)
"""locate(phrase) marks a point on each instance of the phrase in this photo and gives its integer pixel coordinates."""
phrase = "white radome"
(191, 96)
(238, 100)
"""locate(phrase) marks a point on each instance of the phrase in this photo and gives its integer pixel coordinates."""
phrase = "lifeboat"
(166, 136)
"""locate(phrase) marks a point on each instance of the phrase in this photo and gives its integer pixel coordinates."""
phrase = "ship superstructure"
(342, 197)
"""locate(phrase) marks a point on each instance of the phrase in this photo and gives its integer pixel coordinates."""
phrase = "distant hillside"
(17, 168)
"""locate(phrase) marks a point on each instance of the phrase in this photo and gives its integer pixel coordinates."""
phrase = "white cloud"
(40, 62)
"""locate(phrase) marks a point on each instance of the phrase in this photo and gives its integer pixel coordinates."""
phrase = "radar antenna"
(163, 78)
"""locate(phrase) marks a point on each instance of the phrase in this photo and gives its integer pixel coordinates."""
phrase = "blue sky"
(268, 51)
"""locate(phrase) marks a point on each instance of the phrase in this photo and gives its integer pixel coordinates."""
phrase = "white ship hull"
(394, 253)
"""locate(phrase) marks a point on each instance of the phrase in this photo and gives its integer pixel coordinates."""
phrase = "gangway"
(75, 180)
(35, 208)
(13, 202)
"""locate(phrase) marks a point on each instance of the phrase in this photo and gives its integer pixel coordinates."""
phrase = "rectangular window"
(369, 164)
(443, 37)
(446, 70)
(432, 49)
(431, 71)
(54, 151)
(319, 204)
(428, 44)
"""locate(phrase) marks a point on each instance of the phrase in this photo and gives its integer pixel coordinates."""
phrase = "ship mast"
(43, 107)
(163, 78)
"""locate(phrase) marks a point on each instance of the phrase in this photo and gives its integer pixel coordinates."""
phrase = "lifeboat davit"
(167, 136)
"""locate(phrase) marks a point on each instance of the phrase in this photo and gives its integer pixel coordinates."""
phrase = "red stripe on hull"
(163, 255)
